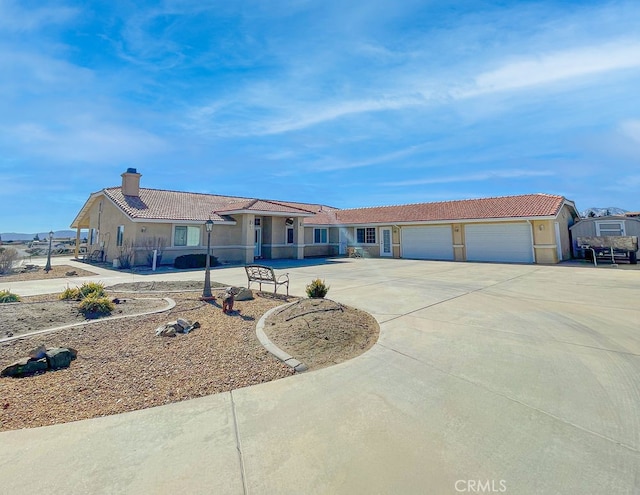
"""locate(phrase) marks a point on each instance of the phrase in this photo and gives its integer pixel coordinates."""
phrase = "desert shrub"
(8, 257)
(91, 289)
(8, 297)
(95, 305)
(194, 261)
(125, 255)
(317, 289)
(70, 294)
(149, 244)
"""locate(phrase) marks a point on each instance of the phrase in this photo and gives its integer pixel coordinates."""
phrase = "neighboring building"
(627, 225)
(532, 228)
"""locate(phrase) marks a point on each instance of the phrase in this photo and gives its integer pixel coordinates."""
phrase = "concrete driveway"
(486, 379)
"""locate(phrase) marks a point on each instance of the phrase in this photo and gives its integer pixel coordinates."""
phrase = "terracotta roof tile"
(158, 204)
(528, 205)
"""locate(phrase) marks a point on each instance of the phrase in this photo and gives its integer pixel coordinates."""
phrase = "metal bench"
(265, 275)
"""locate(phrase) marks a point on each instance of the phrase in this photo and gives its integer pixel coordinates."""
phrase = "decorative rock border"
(274, 349)
(170, 305)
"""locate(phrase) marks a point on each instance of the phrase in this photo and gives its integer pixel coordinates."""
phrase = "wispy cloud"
(87, 142)
(551, 67)
(478, 177)
(15, 18)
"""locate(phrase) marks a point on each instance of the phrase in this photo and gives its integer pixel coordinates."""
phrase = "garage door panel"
(509, 243)
(427, 243)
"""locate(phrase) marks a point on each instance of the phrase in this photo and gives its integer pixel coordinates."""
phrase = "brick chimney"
(131, 182)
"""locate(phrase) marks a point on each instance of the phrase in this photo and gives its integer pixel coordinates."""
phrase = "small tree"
(317, 289)
(8, 257)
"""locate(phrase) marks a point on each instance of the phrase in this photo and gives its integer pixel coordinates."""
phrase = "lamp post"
(47, 267)
(206, 292)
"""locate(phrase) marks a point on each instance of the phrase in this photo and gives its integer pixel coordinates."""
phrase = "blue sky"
(345, 103)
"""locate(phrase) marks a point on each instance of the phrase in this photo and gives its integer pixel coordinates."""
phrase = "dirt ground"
(321, 332)
(122, 366)
(35, 313)
(57, 271)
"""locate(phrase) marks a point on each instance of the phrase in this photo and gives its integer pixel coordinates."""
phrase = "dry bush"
(8, 258)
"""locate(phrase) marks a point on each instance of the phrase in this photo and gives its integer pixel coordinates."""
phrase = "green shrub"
(94, 305)
(194, 261)
(8, 297)
(317, 289)
(70, 294)
(91, 289)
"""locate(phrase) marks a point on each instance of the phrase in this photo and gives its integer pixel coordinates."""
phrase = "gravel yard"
(57, 271)
(122, 366)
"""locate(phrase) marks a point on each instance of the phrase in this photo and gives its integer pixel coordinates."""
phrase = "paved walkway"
(522, 379)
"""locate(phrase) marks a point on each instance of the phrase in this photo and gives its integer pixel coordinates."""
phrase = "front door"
(257, 244)
(342, 249)
(386, 246)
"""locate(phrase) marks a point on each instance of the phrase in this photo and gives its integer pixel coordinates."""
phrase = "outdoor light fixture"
(47, 267)
(206, 292)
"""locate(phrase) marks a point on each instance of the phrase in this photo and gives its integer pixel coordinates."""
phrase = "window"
(366, 235)
(120, 235)
(289, 235)
(256, 222)
(320, 236)
(92, 236)
(610, 228)
(186, 236)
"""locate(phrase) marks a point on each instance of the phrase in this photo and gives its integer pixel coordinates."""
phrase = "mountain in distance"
(602, 212)
(57, 234)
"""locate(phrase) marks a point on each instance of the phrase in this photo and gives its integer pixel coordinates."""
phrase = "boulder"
(167, 330)
(243, 294)
(60, 357)
(182, 325)
(25, 366)
(173, 328)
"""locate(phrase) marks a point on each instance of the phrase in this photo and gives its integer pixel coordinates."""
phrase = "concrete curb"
(274, 349)
(170, 305)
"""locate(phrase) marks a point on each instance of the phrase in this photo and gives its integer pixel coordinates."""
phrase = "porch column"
(298, 237)
(77, 242)
(248, 237)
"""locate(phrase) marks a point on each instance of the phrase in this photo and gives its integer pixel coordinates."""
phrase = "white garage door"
(509, 242)
(427, 243)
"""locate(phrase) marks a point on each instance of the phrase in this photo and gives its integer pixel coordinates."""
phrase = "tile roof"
(527, 205)
(158, 204)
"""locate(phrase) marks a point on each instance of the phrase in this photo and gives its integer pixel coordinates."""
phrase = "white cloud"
(631, 129)
(14, 18)
(552, 67)
(88, 141)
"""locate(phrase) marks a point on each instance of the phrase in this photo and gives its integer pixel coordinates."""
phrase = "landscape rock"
(25, 366)
(60, 357)
(243, 294)
(173, 328)
(167, 330)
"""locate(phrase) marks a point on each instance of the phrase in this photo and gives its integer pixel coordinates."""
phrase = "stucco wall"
(106, 217)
